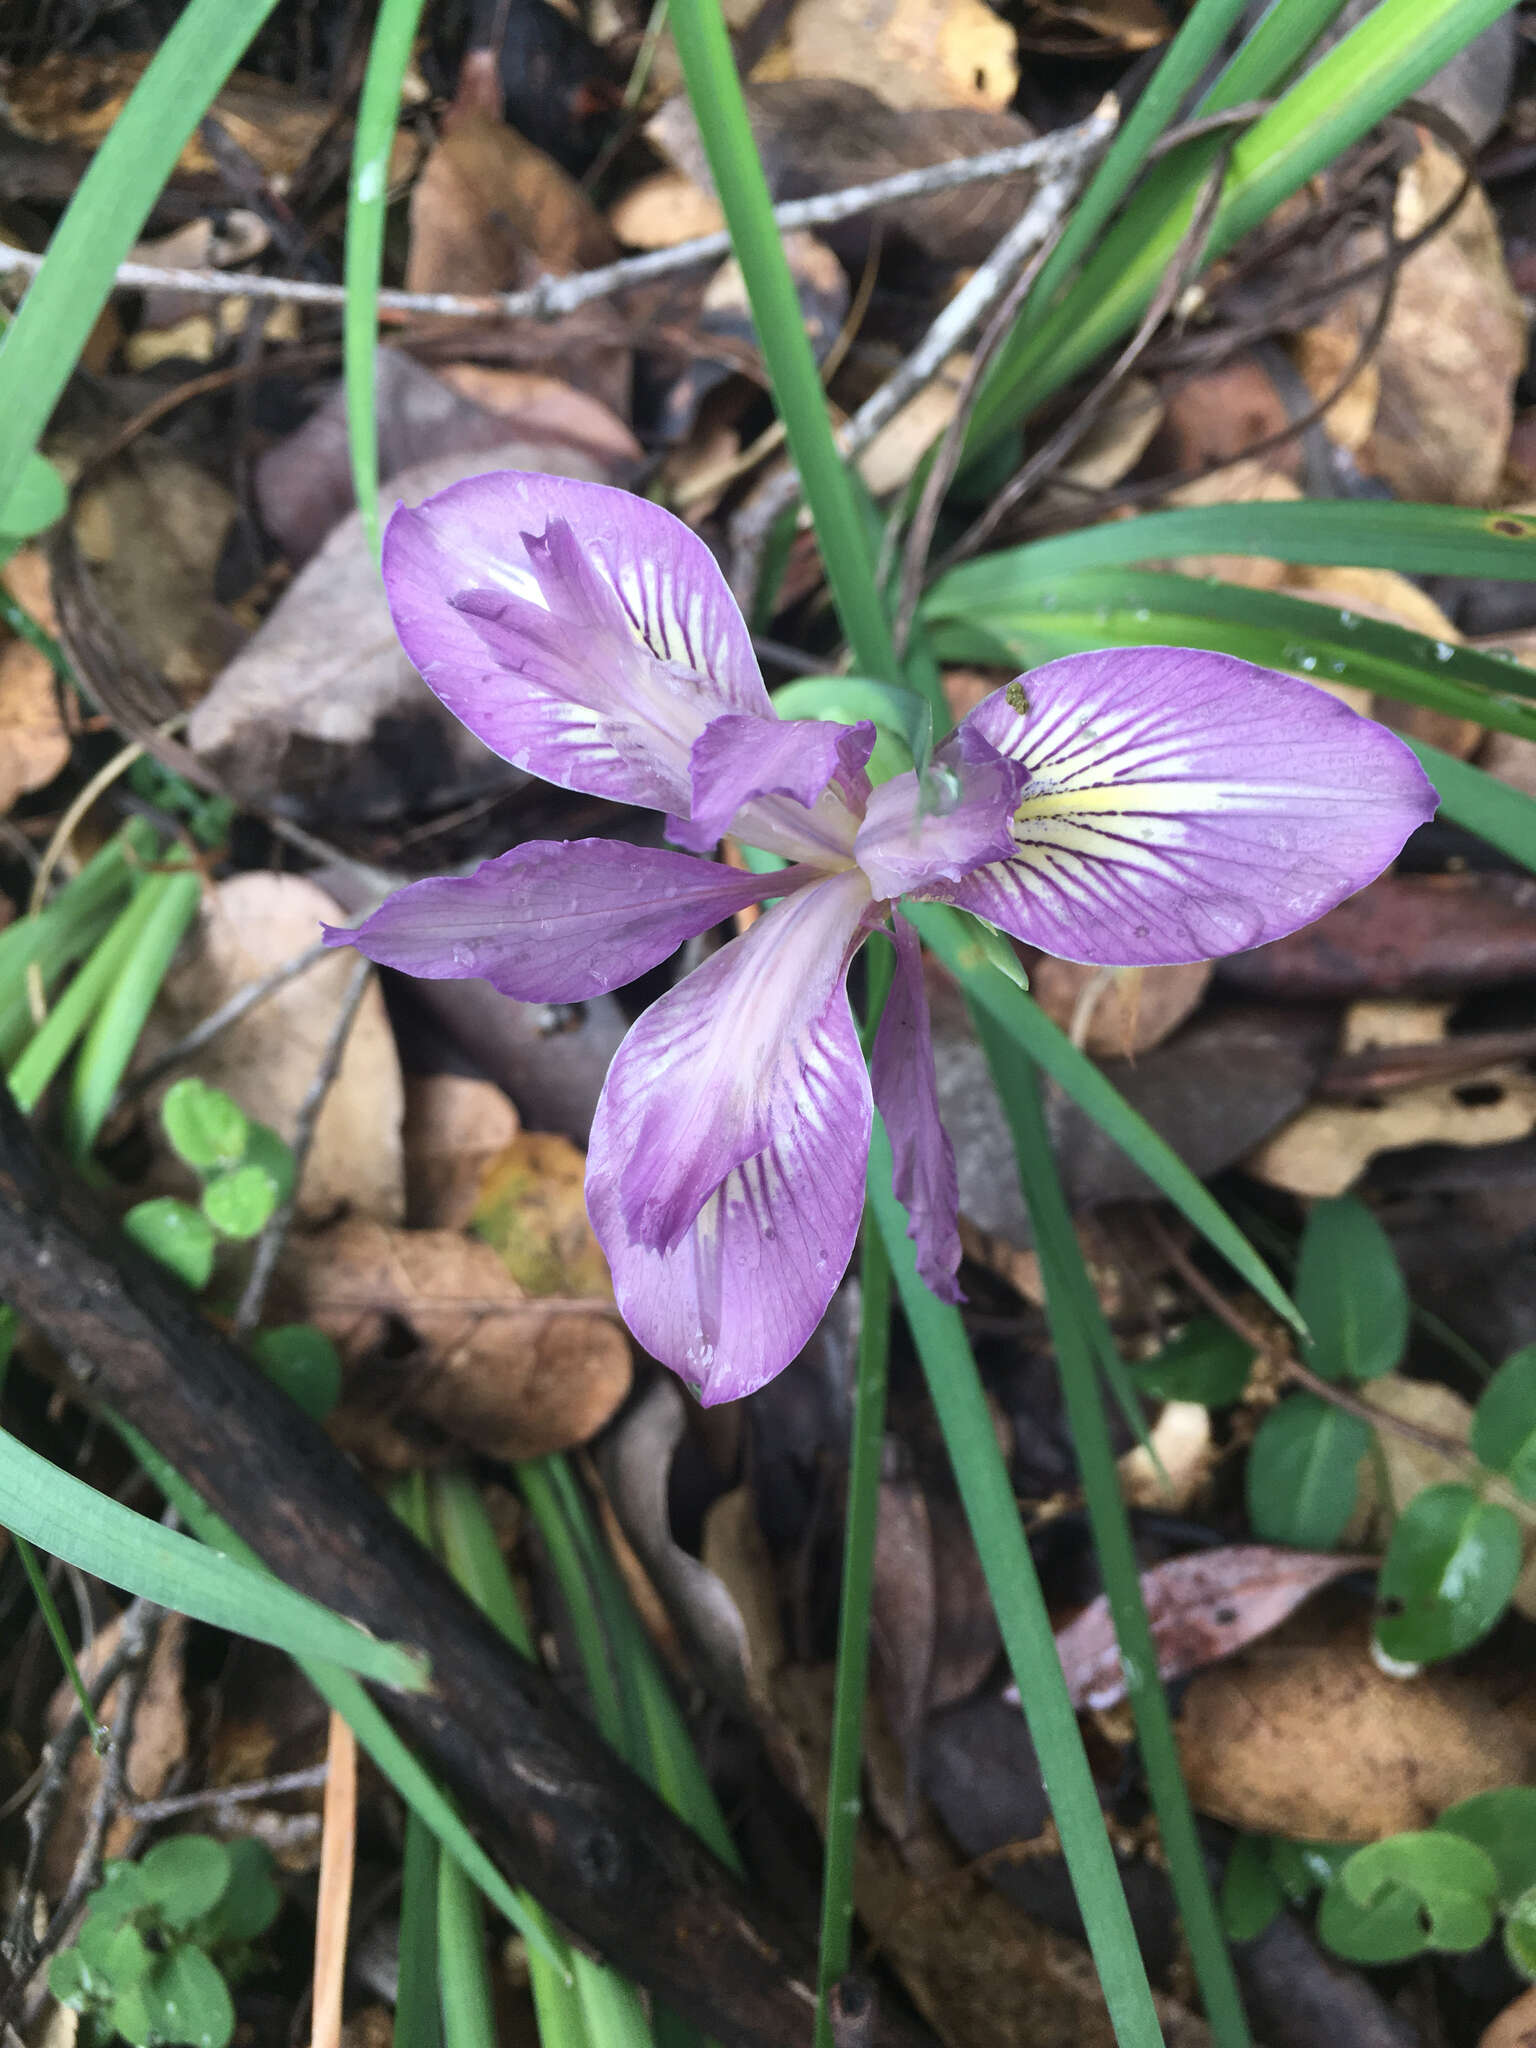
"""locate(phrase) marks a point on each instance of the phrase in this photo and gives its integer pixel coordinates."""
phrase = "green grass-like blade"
(1026, 1025)
(714, 90)
(104, 219)
(954, 1386)
(1083, 1341)
(378, 111)
(54, 1038)
(69, 1519)
(342, 1691)
(418, 2016)
(1479, 803)
(1092, 608)
(1417, 540)
(1388, 56)
(464, 1980)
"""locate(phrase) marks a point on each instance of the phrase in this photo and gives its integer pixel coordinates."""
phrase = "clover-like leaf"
(1250, 1892)
(1520, 1933)
(304, 1363)
(72, 1980)
(240, 1204)
(187, 2000)
(1450, 1569)
(1302, 1868)
(266, 1149)
(1503, 1825)
(206, 1127)
(1349, 1288)
(1388, 1931)
(1504, 1422)
(1302, 1472)
(1452, 1884)
(251, 1899)
(185, 1877)
(176, 1234)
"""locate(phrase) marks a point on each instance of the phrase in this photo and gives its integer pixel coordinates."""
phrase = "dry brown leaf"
(532, 1210)
(1325, 1149)
(1304, 1736)
(455, 1126)
(158, 1744)
(268, 1058)
(890, 459)
(1515, 2026)
(1111, 24)
(540, 408)
(490, 210)
(496, 1370)
(29, 580)
(1201, 1608)
(1110, 449)
(152, 527)
(1120, 1011)
(1219, 415)
(34, 745)
(1324, 354)
(1174, 1479)
(663, 210)
(913, 53)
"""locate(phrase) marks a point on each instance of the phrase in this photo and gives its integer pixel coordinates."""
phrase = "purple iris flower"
(1126, 808)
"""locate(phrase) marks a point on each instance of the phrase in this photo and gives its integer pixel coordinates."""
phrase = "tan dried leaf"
(267, 1059)
(1306, 1737)
(892, 456)
(1515, 2026)
(532, 1210)
(1119, 1011)
(663, 210)
(34, 745)
(490, 210)
(535, 407)
(1186, 1455)
(496, 1370)
(913, 53)
(455, 1126)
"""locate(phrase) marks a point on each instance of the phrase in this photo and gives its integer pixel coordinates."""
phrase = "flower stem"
(847, 547)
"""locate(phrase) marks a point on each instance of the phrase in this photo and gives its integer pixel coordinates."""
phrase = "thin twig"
(270, 1243)
(553, 297)
(143, 1811)
(338, 1844)
(239, 1005)
(1052, 198)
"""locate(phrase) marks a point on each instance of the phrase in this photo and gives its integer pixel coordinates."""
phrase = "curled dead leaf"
(455, 1126)
(913, 53)
(34, 744)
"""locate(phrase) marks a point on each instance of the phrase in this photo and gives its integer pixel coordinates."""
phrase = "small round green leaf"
(185, 1877)
(1349, 1288)
(37, 500)
(1520, 1933)
(1389, 1931)
(1503, 1825)
(304, 1363)
(1504, 1422)
(251, 1900)
(177, 1235)
(1250, 1891)
(1450, 1568)
(240, 1204)
(130, 2017)
(265, 1148)
(188, 2001)
(71, 1980)
(205, 1126)
(1206, 1362)
(1303, 1868)
(1303, 1472)
(1453, 1885)
(120, 1892)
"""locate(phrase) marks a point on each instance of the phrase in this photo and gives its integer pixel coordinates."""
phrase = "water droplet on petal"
(462, 955)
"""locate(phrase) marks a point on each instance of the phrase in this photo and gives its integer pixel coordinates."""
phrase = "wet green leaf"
(206, 1127)
(1349, 1287)
(1302, 1472)
(1503, 1825)
(1303, 1868)
(1450, 1568)
(176, 1234)
(266, 1149)
(1504, 1422)
(251, 1899)
(240, 1204)
(185, 1877)
(1250, 1891)
(1520, 1933)
(1206, 1362)
(71, 1979)
(186, 2000)
(304, 1363)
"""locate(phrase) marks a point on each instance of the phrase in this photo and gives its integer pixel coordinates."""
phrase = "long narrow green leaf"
(1417, 540)
(104, 219)
(378, 112)
(1389, 55)
(955, 1389)
(1150, 608)
(714, 90)
(340, 1690)
(1026, 1024)
(464, 1977)
(418, 2017)
(1083, 1339)
(1479, 803)
(69, 1519)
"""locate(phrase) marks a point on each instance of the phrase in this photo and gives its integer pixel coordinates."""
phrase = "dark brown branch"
(555, 1807)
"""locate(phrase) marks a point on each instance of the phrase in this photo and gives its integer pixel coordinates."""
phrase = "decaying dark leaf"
(1201, 1607)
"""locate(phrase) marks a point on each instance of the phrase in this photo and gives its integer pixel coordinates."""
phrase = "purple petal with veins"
(1181, 805)
(906, 1092)
(558, 921)
(916, 834)
(736, 759)
(577, 630)
(728, 1058)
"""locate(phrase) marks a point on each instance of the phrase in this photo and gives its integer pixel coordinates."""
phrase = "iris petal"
(906, 1092)
(1182, 805)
